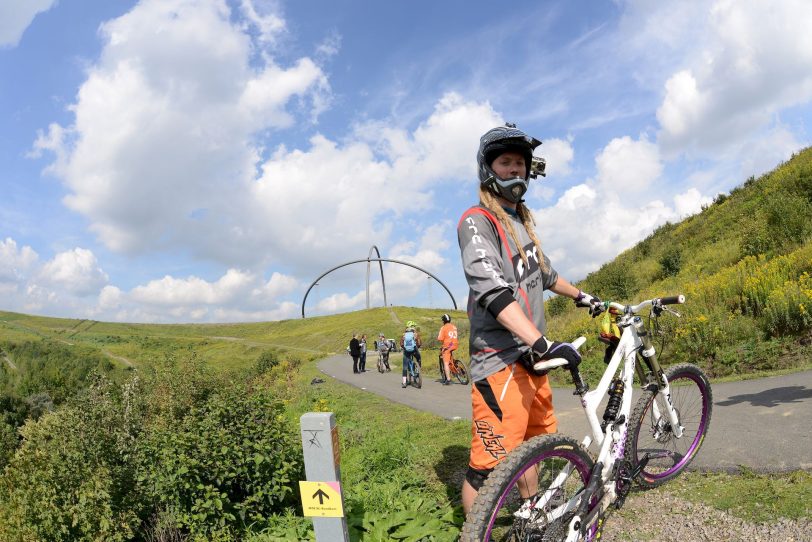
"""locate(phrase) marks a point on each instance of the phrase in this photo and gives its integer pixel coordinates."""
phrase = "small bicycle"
(458, 370)
(413, 376)
(550, 488)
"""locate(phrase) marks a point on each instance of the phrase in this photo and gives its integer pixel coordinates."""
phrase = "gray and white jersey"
(492, 264)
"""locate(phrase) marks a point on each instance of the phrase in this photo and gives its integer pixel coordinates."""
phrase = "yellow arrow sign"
(321, 499)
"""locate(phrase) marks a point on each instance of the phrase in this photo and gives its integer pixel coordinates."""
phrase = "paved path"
(764, 424)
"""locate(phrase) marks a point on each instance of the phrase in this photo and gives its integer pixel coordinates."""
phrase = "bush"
(670, 262)
(72, 477)
(229, 463)
(266, 361)
(789, 308)
(556, 305)
(788, 218)
(613, 282)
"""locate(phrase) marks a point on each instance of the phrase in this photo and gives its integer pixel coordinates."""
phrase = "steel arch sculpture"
(380, 263)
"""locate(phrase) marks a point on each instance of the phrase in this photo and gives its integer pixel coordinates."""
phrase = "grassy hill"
(225, 346)
(744, 265)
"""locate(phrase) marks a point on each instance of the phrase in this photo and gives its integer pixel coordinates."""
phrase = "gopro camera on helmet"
(538, 167)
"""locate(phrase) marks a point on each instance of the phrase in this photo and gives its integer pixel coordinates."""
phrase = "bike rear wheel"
(460, 372)
(652, 434)
(381, 368)
(560, 468)
(418, 378)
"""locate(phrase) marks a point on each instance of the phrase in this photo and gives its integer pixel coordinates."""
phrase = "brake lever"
(672, 311)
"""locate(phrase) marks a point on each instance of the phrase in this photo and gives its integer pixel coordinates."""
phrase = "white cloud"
(16, 16)
(752, 60)
(162, 147)
(76, 271)
(334, 200)
(171, 291)
(593, 222)
(559, 155)
(15, 263)
(628, 166)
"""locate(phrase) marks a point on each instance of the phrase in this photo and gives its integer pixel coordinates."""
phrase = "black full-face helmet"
(445, 318)
(495, 142)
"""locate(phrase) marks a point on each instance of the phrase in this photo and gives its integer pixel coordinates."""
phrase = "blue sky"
(206, 160)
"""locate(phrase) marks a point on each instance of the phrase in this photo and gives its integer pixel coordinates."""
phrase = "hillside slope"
(744, 265)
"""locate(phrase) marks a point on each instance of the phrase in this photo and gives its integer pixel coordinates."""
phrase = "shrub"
(789, 308)
(266, 361)
(671, 261)
(788, 217)
(228, 463)
(556, 305)
(72, 477)
(613, 282)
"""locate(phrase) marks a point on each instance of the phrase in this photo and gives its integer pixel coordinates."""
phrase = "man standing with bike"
(448, 338)
(409, 343)
(507, 273)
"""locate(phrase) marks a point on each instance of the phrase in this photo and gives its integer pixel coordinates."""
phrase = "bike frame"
(411, 363)
(611, 440)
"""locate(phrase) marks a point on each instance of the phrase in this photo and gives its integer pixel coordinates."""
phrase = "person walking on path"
(355, 352)
(507, 273)
(362, 359)
(383, 351)
(448, 338)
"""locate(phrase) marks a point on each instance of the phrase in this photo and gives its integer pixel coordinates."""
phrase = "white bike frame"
(611, 440)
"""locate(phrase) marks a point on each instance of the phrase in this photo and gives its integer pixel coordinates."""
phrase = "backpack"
(409, 342)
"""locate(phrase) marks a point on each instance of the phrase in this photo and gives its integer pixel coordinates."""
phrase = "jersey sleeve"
(549, 278)
(481, 258)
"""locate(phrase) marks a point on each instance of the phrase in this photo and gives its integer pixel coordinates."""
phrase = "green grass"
(758, 498)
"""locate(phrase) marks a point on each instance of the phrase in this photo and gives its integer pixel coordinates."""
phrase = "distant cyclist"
(447, 336)
(409, 343)
(383, 350)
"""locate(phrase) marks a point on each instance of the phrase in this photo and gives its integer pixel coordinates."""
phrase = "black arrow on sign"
(321, 495)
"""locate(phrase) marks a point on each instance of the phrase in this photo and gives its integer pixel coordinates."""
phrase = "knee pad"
(477, 477)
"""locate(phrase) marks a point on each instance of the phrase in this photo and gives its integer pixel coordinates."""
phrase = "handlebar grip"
(558, 362)
(673, 300)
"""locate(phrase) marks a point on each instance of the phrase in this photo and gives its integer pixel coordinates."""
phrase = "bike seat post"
(580, 386)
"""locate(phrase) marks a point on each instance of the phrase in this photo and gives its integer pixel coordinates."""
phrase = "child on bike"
(507, 273)
(448, 338)
(409, 343)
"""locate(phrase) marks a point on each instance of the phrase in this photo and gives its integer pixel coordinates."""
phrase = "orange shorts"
(447, 354)
(509, 407)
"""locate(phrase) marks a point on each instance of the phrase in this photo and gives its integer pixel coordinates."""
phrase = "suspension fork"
(649, 355)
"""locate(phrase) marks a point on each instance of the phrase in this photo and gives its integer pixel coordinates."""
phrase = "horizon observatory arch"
(369, 259)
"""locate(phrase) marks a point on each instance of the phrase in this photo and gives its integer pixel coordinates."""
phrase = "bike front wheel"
(532, 494)
(651, 432)
(460, 372)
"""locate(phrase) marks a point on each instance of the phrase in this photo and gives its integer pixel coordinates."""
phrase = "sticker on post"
(321, 499)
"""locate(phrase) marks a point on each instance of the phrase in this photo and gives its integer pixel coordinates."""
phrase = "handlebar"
(657, 302)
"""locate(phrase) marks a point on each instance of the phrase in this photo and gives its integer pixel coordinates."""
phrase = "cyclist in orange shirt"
(447, 336)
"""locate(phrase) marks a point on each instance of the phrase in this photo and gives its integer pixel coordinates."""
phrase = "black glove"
(546, 349)
(593, 303)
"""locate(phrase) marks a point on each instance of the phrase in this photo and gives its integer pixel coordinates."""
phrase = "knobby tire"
(691, 395)
(460, 372)
(492, 515)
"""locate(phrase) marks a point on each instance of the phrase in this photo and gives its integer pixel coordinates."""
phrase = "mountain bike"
(413, 376)
(458, 370)
(551, 488)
